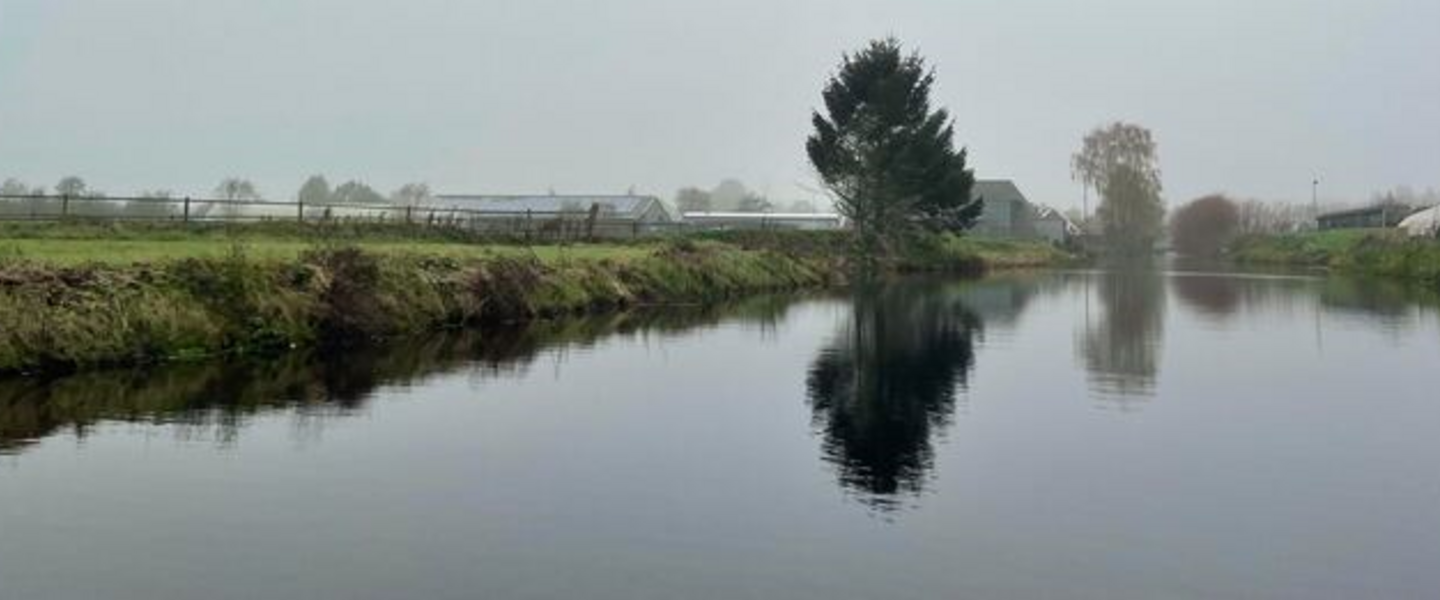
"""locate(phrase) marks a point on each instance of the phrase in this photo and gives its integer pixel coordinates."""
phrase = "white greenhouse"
(1423, 223)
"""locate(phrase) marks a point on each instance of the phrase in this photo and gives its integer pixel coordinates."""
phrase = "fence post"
(64, 206)
(409, 214)
(186, 217)
(527, 224)
(300, 210)
(635, 229)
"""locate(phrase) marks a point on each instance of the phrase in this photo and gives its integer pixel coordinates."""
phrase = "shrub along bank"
(56, 317)
(1384, 253)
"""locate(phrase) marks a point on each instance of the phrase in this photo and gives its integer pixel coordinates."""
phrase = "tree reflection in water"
(887, 383)
(1121, 346)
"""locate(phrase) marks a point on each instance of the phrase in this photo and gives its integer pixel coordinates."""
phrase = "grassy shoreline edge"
(64, 317)
(1366, 252)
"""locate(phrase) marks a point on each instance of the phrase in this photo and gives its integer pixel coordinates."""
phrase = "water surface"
(1135, 434)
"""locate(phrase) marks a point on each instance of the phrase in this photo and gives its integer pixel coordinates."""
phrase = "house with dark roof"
(1383, 215)
(1006, 209)
(1008, 213)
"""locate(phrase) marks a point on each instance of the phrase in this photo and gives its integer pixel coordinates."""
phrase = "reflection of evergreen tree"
(887, 383)
(1122, 349)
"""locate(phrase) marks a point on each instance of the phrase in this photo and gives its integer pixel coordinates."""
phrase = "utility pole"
(1315, 200)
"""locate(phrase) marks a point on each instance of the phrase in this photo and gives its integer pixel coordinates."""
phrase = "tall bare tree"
(315, 190)
(71, 186)
(1131, 212)
(150, 204)
(234, 189)
(693, 199)
(1110, 146)
(355, 192)
(411, 194)
(19, 205)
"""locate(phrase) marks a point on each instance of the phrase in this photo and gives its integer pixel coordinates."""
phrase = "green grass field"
(77, 244)
(1313, 248)
(61, 252)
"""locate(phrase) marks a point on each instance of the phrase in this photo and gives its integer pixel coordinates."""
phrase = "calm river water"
(1146, 434)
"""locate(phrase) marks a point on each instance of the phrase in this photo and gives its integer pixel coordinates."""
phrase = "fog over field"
(1250, 98)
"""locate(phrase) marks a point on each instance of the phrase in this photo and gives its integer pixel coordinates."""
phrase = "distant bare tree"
(315, 190)
(71, 186)
(14, 187)
(411, 194)
(234, 189)
(354, 192)
(1405, 198)
(36, 205)
(693, 199)
(1115, 145)
(150, 205)
(754, 203)
(728, 195)
(15, 206)
(1204, 226)
(1404, 194)
(1257, 217)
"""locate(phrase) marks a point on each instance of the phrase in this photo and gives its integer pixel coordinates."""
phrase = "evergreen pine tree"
(888, 159)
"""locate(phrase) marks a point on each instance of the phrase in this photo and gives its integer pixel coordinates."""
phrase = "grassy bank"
(1384, 253)
(83, 243)
(77, 296)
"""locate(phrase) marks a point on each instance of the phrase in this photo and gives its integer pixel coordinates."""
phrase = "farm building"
(1048, 224)
(1425, 223)
(1377, 216)
(744, 220)
(1008, 213)
(613, 216)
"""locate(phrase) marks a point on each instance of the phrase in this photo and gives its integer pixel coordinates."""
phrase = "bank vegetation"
(1375, 252)
(193, 297)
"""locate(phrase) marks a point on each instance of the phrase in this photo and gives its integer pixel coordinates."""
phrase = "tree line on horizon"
(731, 195)
(39, 200)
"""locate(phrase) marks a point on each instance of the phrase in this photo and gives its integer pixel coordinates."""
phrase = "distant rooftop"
(997, 190)
(1365, 210)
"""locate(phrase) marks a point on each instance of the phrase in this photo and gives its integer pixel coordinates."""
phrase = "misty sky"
(1245, 96)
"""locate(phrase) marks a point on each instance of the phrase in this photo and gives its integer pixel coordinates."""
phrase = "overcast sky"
(1244, 96)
